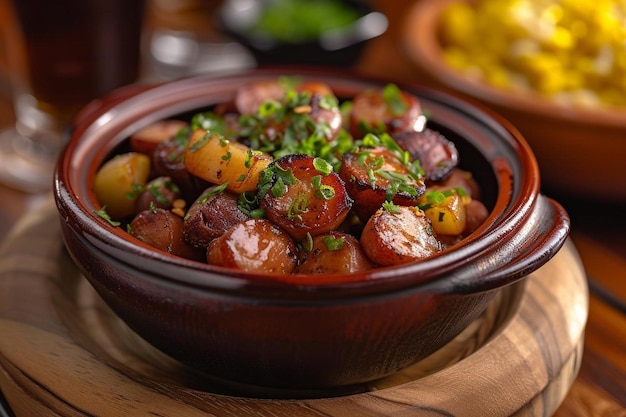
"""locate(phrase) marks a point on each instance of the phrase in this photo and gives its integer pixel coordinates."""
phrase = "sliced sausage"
(167, 161)
(214, 212)
(333, 253)
(399, 236)
(460, 178)
(437, 155)
(476, 213)
(250, 96)
(160, 192)
(254, 245)
(385, 110)
(302, 198)
(373, 175)
(163, 230)
(146, 140)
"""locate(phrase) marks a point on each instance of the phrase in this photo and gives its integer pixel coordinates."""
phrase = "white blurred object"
(175, 54)
(182, 41)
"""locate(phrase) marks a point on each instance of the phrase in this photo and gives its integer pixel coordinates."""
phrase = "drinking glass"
(60, 55)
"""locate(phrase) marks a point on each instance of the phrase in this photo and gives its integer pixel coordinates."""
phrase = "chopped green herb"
(297, 207)
(394, 100)
(307, 244)
(390, 207)
(137, 189)
(289, 82)
(322, 191)
(102, 213)
(461, 191)
(279, 188)
(334, 243)
(322, 166)
(269, 108)
(248, 203)
(200, 143)
(283, 178)
(208, 121)
(212, 192)
(171, 185)
(182, 137)
(155, 189)
(328, 102)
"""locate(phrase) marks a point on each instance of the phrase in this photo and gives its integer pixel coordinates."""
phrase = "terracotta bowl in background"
(580, 151)
(316, 332)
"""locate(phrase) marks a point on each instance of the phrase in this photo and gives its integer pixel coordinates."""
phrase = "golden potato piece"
(117, 181)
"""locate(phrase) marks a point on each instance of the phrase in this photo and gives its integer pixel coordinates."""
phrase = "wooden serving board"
(64, 353)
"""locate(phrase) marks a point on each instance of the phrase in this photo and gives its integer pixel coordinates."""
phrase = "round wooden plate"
(64, 353)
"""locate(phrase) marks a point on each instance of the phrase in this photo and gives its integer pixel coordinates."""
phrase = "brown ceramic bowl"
(323, 331)
(580, 151)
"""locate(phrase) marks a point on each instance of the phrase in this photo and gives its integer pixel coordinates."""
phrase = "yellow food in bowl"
(573, 51)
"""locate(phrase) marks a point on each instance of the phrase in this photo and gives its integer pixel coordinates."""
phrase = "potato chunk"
(117, 180)
(447, 212)
(218, 160)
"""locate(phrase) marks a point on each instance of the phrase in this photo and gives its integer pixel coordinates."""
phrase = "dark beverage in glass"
(77, 50)
(61, 54)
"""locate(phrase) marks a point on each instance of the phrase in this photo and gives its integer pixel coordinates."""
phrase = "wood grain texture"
(64, 353)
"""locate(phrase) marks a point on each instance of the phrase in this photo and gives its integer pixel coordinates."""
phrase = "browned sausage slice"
(162, 230)
(437, 155)
(399, 236)
(333, 253)
(250, 96)
(214, 212)
(254, 245)
(387, 109)
(305, 196)
(373, 175)
(167, 161)
(146, 140)
(160, 192)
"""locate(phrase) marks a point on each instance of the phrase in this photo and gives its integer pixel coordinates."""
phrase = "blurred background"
(556, 69)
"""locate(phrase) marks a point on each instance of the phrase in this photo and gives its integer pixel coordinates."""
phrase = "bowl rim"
(421, 24)
(73, 200)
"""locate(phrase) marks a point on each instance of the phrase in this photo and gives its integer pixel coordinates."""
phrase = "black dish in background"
(343, 49)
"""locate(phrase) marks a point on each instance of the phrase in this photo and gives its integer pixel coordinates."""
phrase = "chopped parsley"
(394, 100)
(334, 243)
(102, 213)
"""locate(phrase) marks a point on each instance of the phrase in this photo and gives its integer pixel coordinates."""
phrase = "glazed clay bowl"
(579, 150)
(319, 332)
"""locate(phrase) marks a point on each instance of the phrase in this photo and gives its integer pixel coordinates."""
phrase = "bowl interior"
(491, 149)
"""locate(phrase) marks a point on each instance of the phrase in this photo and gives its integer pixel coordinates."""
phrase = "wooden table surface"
(598, 232)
